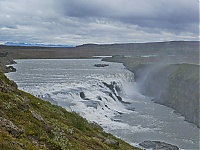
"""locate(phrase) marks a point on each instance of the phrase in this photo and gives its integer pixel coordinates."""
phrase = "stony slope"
(29, 123)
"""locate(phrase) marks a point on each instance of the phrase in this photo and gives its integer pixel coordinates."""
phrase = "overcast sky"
(98, 21)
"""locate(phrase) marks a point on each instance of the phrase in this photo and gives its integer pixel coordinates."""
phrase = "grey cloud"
(166, 14)
(98, 21)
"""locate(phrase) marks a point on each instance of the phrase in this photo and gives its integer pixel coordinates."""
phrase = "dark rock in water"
(11, 69)
(12, 62)
(117, 88)
(111, 87)
(157, 145)
(99, 98)
(110, 94)
(82, 95)
(107, 106)
(119, 112)
(101, 65)
(119, 98)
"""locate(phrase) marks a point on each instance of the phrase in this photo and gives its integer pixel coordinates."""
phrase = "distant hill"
(36, 44)
(186, 50)
(158, 48)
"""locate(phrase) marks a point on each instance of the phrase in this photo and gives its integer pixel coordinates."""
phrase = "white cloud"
(99, 21)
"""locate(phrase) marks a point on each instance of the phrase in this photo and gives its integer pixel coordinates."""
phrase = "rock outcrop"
(101, 65)
(11, 69)
(113, 143)
(10, 127)
(157, 145)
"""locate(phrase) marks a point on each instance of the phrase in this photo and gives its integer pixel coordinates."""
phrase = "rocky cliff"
(182, 92)
(176, 86)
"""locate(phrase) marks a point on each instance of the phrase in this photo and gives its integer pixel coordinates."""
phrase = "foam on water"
(107, 96)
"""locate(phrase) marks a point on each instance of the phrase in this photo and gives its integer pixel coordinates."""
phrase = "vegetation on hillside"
(29, 123)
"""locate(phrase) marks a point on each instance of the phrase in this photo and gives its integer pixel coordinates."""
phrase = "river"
(105, 95)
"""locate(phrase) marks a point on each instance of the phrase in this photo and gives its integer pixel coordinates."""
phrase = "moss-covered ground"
(29, 123)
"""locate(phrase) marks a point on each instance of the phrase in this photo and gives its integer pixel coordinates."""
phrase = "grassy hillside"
(29, 123)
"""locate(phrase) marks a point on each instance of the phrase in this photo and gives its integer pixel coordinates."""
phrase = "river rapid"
(105, 95)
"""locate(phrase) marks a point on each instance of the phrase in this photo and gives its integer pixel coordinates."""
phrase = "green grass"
(54, 129)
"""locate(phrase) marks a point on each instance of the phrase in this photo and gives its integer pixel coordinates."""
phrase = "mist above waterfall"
(152, 80)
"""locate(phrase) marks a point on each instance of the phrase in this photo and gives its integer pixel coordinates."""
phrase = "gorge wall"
(175, 86)
(174, 83)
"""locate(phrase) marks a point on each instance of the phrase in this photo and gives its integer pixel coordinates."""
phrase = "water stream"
(106, 95)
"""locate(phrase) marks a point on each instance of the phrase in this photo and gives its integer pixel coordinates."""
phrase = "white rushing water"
(106, 95)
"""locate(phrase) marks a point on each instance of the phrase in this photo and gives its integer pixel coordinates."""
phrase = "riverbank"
(95, 98)
(27, 122)
(10, 53)
(175, 85)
